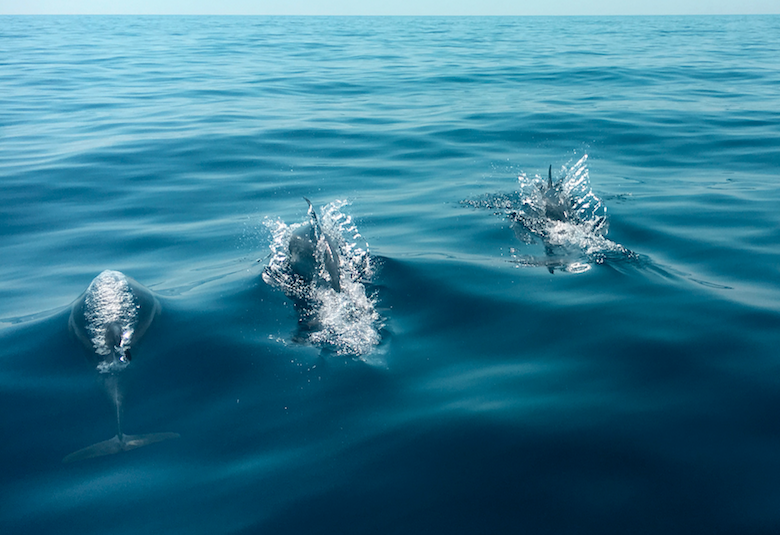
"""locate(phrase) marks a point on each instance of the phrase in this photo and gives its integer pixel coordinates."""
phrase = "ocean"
(543, 274)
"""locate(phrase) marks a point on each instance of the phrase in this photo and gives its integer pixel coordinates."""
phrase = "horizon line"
(176, 14)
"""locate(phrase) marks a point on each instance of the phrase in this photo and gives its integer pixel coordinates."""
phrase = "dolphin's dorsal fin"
(549, 177)
(313, 219)
(312, 214)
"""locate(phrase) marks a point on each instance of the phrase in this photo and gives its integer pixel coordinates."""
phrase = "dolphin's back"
(303, 258)
(554, 207)
(303, 253)
(332, 265)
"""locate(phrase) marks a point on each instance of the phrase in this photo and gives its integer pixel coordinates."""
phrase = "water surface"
(639, 392)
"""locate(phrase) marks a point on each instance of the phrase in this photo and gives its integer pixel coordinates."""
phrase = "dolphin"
(554, 206)
(109, 319)
(311, 250)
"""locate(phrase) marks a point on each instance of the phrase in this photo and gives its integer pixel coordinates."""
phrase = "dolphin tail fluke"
(549, 177)
(117, 444)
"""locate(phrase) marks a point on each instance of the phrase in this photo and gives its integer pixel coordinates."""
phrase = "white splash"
(109, 299)
(575, 238)
(582, 206)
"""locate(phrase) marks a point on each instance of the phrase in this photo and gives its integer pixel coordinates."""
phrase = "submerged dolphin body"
(312, 251)
(109, 319)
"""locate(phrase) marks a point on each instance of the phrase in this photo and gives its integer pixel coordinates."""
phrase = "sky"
(393, 7)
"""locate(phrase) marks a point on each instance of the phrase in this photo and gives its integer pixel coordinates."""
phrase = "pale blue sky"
(393, 7)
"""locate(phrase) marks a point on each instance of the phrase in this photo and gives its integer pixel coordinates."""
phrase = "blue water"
(617, 380)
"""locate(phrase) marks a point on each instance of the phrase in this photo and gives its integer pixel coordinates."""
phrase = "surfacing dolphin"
(313, 253)
(109, 319)
(553, 206)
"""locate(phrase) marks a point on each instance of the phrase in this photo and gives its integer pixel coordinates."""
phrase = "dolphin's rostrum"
(109, 319)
